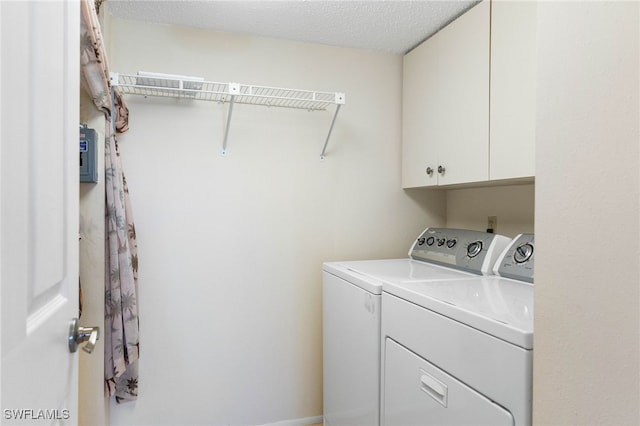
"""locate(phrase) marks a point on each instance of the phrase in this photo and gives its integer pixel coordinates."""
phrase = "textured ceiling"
(383, 25)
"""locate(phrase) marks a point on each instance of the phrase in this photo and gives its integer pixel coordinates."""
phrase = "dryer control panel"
(472, 251)
(517, 260)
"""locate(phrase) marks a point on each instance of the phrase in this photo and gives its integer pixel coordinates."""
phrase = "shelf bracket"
(340, 98)
(234, 89)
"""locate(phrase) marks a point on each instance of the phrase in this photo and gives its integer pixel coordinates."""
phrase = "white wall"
(512, 205)
(92, 407)
(231, 247)
(587, 292)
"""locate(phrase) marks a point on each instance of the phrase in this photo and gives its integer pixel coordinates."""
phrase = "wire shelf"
(222, 92)
(176, 86)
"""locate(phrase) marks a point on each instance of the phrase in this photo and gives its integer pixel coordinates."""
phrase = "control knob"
(474, 249)
(421, 241)
(523, 253)
(441, 242)
(430, 241)
(451, 243)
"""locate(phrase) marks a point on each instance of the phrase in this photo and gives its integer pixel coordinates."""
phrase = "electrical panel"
(88, 154)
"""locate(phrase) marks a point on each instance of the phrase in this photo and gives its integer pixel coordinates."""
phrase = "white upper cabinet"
(446, 104)
(513, 101)
(469, 99)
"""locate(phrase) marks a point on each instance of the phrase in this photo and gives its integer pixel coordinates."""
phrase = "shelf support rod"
(234, 89)
(226, 130)
(340, 98)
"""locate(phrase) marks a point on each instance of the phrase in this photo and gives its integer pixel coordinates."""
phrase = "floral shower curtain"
(121, 260)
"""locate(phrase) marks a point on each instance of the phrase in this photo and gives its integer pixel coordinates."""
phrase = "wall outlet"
(492, 223)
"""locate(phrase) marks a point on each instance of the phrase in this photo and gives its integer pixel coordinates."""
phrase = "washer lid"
(500, 307)
(372, 274)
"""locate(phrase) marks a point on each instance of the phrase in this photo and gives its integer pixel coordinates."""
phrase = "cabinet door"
(513, 44)
(420, 115)
(463, 131)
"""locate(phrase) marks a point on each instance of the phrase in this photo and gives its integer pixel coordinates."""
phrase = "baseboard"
(306, 421)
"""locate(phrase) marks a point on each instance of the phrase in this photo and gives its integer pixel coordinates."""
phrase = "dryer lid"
(500, 307)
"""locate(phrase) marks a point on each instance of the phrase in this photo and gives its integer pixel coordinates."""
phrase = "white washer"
(460, 352)
(352, 313)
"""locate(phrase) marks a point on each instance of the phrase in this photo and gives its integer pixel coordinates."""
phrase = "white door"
(464, 75)
(513, 89)
(421, 94)
(39, 88)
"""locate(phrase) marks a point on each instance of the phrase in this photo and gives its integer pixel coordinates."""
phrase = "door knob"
(79, 335)
(441, 170)
(429, 171)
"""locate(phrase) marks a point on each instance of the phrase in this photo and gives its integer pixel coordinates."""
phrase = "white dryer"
(460, 352)
(352, 313)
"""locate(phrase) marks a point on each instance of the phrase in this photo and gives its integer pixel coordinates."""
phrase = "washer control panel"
(517, 260)
(472, 251)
